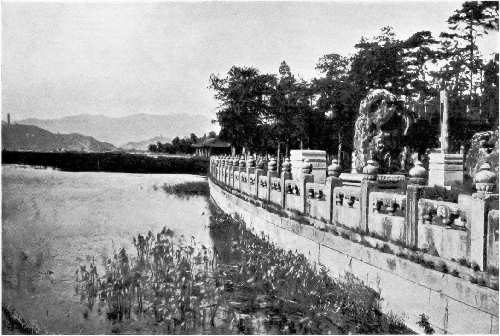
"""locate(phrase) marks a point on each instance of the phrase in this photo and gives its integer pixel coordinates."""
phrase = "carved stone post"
(272, 171)
(259, 171)
(332, 181)
(368, 183)
(286, 174)
(234, 170)
(306, 177)
(417, 179)
(480, 204)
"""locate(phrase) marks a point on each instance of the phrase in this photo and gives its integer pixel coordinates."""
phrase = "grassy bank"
(244, 284)
(109, 162)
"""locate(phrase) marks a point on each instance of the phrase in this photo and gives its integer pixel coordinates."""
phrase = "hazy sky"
(116, 59)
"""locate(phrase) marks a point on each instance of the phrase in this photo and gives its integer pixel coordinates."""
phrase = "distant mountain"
(136, 127)
(144, 145)
(28, 137)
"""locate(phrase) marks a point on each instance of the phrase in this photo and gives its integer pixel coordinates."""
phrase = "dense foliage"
(268, 112)
(178, 145)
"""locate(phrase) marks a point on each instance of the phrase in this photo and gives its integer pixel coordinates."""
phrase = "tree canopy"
(262, 112)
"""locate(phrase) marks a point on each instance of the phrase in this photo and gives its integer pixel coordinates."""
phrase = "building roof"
(212, 142)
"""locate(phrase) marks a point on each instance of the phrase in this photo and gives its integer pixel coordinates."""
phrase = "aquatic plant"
(243, 284)
(15, 323)
(187, 189)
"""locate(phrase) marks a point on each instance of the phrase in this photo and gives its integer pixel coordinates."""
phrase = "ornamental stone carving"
(379, 132)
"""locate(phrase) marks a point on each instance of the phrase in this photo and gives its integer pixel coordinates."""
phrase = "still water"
(53, 221)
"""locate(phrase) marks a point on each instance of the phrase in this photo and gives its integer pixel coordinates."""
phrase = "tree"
(474, 19)
(193, 138)
(417, 52)
(284, 109)
(490, 90)
(378, 63)
(336, 102)
(152, 148)
(244, 95)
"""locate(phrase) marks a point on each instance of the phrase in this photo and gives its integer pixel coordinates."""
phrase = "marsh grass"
(243, 284)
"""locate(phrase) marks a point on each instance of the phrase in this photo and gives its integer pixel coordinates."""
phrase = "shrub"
(386, 249)
(429, 264)
(463, 262)
(402, 255)
(424, 323)
(442, 267)
(493, 270)
(475, 267)
(365, 243)
(455, 273)
(441, 194)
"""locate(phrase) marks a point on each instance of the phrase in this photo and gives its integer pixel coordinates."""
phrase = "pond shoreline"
(116, 162)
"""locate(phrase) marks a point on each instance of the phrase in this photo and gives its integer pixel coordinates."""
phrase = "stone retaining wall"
(454, 305)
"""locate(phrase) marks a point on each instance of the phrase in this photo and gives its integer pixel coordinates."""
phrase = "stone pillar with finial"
(417, 180)
(286, 174)
(259, 171)
(233, 161)
(250, 165)
(479, 205)
(332, 181)
(368, 183)
(222, 169)
(272, 171)
(305, 177)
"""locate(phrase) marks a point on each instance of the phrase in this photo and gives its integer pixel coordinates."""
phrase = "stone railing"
(387, 207)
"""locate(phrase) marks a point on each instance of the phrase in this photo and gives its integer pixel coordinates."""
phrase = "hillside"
(32, 138)
(132, 128)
